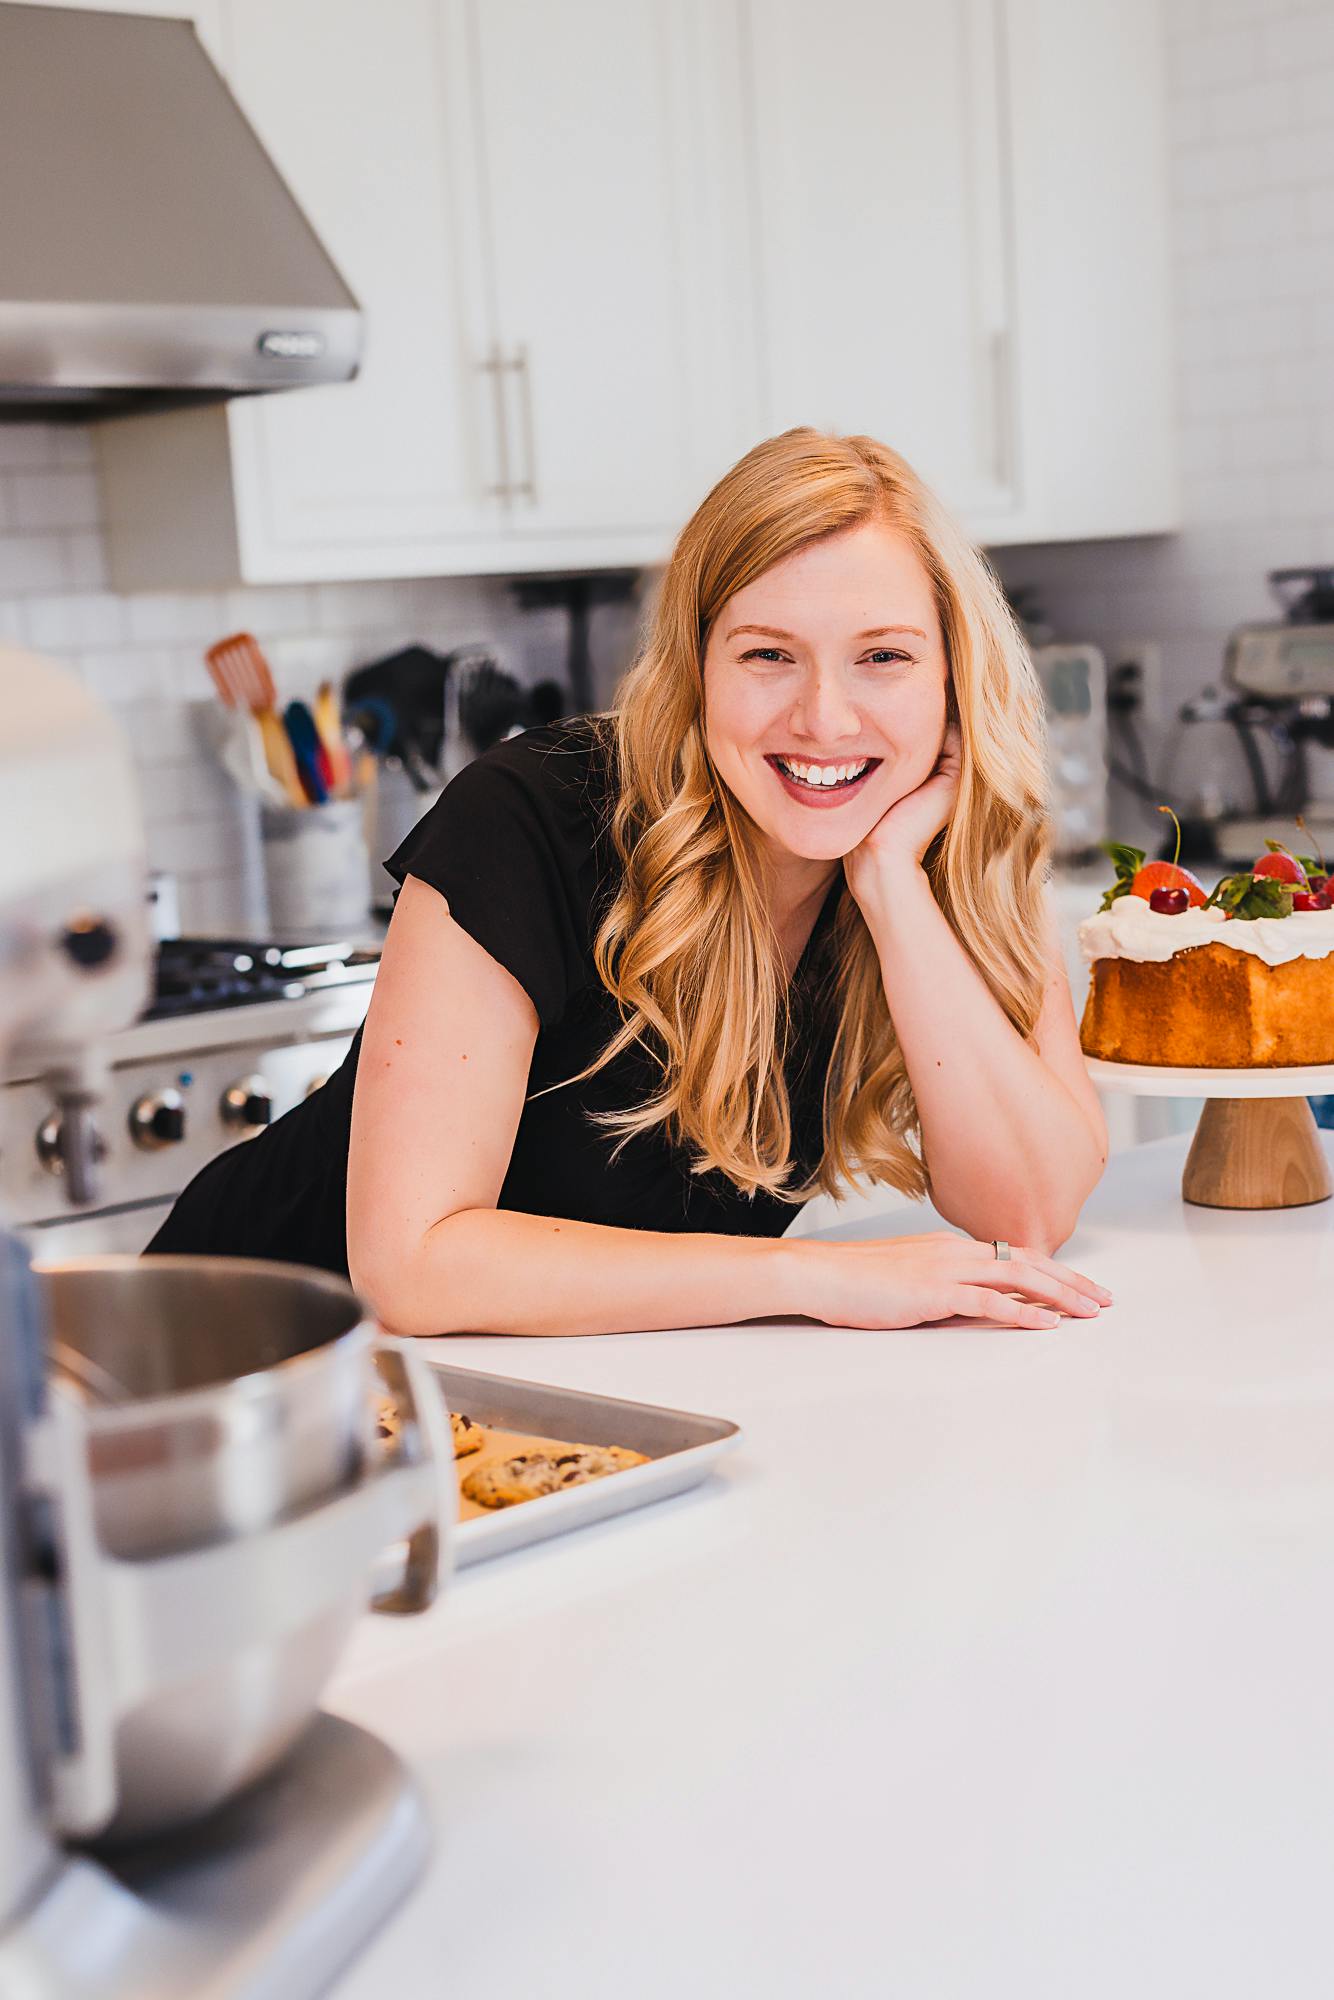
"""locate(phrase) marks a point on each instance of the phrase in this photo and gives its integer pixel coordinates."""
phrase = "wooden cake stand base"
(1256, 1145)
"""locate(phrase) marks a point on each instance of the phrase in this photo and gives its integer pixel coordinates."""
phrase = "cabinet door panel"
(878, 162)
(589, 199)
(357, 107)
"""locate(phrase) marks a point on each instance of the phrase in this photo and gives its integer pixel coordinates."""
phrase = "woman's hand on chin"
(901, 836)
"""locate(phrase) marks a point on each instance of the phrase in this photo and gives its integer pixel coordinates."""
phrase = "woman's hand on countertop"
(906, 1280)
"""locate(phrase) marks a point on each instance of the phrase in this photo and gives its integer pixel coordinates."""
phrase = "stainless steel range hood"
(150, 253)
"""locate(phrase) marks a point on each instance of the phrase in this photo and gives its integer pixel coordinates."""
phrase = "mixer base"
(267, 1899)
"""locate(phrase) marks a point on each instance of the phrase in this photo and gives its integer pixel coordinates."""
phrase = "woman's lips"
(827, 796)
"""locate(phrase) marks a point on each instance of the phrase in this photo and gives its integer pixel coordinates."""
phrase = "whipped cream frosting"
(1130, 929)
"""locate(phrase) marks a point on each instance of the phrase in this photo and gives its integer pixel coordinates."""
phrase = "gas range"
(237, 1033)
(197, 975)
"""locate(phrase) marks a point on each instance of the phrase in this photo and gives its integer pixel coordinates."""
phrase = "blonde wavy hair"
(687, 946)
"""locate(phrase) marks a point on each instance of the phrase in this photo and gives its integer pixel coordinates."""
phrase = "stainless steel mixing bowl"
(249, 1400)
(247, 1392)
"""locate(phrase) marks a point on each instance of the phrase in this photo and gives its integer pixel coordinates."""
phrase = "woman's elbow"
(387, 1283)
(398, 1278)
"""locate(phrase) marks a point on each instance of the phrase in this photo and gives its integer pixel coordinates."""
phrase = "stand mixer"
(1260, 751)
(269, 1890)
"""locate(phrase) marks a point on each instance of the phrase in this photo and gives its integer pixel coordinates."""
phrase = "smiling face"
(824, 691)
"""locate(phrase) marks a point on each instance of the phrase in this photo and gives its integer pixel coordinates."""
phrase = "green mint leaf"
(1226, 894)
(1121, 887)
(1250, 897)
(1310, 863)
(1125, 860)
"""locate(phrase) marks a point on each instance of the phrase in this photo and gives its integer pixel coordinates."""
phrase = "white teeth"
(823, 774)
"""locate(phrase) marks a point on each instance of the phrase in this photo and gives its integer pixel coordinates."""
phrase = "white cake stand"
(1256, 1145)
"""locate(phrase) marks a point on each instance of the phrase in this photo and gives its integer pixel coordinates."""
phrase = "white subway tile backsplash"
(191, 841)
(26, 445)
(1258, 221)
(1213, 172)
(159, 617)
(1301, 491)
(1300, 42)
(1253, 108)
(279, 609)
(61, 624)
(131, 674)
(1282, 442)
(1291, 160)
(31, 564)
(86, 560)
(54, 499)
(1215, 56)
(71, 444)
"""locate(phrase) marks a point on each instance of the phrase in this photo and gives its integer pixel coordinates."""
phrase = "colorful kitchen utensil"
(312, 760)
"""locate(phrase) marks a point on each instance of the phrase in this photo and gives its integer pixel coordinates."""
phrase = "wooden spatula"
(244, 679)
(241, 673)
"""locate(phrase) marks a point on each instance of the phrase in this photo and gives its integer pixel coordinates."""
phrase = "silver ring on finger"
(1002, 1250)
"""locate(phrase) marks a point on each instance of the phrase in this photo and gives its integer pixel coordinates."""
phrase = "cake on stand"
(1256, 1145)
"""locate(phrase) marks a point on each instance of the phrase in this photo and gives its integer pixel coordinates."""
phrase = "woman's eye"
(772, 653)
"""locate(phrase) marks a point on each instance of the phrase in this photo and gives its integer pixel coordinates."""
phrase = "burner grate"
(197, 975)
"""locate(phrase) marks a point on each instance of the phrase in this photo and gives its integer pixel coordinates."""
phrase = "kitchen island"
(992, 1664)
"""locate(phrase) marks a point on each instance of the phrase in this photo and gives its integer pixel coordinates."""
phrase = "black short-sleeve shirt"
(519, 847)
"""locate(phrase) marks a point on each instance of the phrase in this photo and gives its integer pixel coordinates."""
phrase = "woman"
(653, 978)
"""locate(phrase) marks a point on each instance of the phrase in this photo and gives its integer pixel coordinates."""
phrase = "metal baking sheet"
(681, 1448)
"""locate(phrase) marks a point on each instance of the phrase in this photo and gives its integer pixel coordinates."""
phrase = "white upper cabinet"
(881, 219)
(962, 251)
(604, 246)
(595, 162)
(535, 208)
(383, 471)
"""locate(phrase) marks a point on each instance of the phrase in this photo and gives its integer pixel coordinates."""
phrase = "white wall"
(1251, 124)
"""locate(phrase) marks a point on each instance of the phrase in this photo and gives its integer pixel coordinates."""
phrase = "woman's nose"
(825, 715)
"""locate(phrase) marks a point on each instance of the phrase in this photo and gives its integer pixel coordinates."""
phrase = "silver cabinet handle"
(519, 364)
(1000, 406)
(494, 365)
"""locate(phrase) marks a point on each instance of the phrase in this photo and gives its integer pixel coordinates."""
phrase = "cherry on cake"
(1242, 978)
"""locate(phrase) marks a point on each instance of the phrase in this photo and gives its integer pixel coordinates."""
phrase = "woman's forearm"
(1009, 1151)
(486, 1270)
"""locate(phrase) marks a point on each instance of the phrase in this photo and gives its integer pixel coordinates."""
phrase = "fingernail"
(1050, 1319)
(1106, 1297)
(1088, 1310)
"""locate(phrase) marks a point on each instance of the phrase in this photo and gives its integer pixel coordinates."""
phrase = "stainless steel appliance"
(192, 1502)
(1253, 757)
(1074, 685)
(235, 1034)
(150, 253)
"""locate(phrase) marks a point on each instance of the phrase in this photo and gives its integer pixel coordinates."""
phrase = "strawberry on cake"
(1241, 978)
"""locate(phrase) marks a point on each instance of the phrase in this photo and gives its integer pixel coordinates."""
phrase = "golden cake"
(1201, 988)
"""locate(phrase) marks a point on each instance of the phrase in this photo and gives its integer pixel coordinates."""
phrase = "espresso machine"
(195, 1506)
(1258, 751)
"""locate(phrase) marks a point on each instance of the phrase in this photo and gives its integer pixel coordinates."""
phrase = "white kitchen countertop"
(993, 1664)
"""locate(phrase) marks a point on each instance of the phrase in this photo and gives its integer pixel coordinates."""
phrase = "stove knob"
(51, 1144)
(158, 1120)
(247, 1106)
(90, 941)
